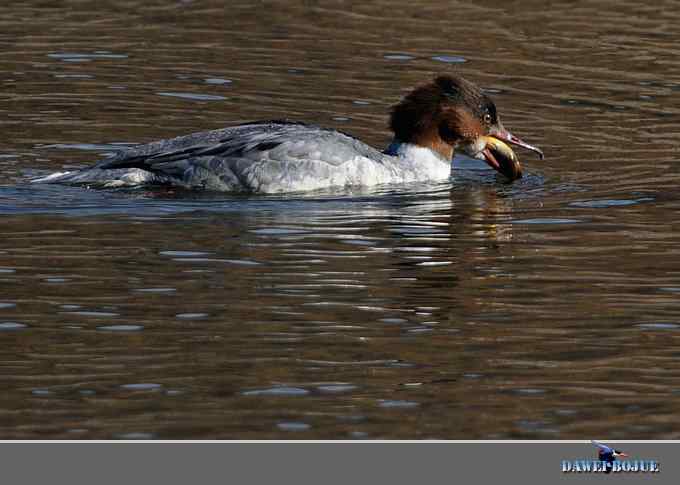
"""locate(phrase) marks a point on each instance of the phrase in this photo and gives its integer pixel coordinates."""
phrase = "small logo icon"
(608, 455)
(609, 460)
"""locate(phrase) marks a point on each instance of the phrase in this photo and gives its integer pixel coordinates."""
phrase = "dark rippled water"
(545, 309)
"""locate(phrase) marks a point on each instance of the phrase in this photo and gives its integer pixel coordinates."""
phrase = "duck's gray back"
(257, 156)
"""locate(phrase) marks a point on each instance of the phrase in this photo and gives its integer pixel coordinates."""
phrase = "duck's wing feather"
(282, 140)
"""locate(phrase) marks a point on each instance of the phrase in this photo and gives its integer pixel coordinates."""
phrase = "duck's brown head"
(450, 114)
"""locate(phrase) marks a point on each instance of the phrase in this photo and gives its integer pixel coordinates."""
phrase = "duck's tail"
(117, 177)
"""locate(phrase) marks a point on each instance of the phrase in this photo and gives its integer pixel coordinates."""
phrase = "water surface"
(471, 309)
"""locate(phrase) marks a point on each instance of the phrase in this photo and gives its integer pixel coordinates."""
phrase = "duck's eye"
(487, 118)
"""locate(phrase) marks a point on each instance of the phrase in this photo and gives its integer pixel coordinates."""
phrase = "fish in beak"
(498, 154)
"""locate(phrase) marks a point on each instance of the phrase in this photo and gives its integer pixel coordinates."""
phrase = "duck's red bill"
(506, 136)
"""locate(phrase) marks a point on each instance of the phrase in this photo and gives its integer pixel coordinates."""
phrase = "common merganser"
(429, 124)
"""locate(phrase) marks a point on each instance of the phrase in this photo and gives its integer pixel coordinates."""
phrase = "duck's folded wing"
(263, 157)
(284, 142)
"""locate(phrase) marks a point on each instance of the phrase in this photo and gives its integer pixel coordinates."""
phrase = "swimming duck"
(429, 124)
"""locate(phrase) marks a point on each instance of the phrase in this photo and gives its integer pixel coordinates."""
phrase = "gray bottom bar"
(323, 463)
